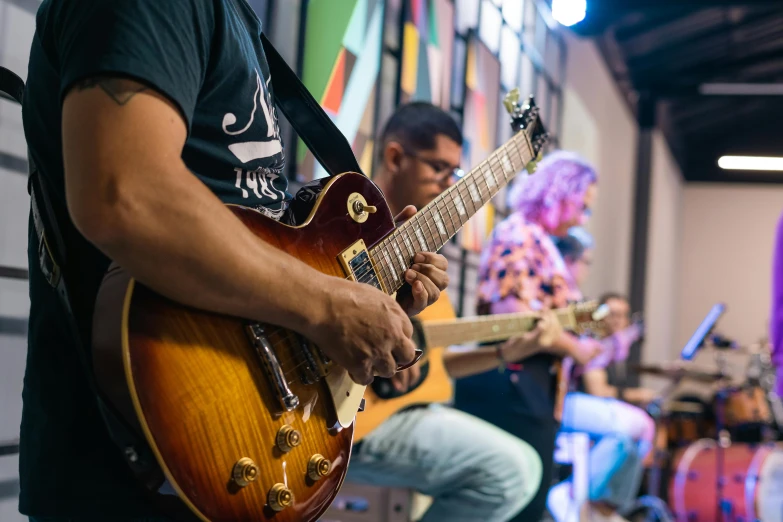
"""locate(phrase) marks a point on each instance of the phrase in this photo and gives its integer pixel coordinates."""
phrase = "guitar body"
(193, 385)
(435, 385)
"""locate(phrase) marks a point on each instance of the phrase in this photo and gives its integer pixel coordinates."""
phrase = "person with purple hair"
(776, 315)
(521, 270)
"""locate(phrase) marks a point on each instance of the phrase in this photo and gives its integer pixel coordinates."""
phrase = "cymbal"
(679, 370)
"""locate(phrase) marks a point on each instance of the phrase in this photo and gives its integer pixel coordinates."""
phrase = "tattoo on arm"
(120, 90)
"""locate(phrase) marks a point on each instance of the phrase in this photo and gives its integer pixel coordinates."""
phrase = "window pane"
(458, 74)
(467, 14)
(552, 57)
(392, 30)
(529, 20)
(509, 57)
(554, 118)
(504, 134)
(491, 20)
(527, 76)
(541, 30)
(542, 98)
(512, 13)
(388, 90)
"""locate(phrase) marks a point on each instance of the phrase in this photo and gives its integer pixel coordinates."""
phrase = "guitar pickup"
(274, 372)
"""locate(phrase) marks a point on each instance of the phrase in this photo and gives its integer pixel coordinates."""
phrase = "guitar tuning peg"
(511, 101)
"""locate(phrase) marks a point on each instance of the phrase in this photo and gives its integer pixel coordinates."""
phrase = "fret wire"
(387, 283)
(454, 227)
(484, 179)
(392, 260)
(521, 159)
(438, 217)
(445, 219)
(432, 242)
(520, 154)
(458, 192)
(389, 260)
(408, 246)
(491, 170)
(469, 198)
(507, 161)
(399, 255)
(473, 182)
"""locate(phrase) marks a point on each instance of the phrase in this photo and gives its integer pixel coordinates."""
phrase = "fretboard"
(487, 328)
(436, 223)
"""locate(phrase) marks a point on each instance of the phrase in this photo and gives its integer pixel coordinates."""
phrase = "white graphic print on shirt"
(258, 181)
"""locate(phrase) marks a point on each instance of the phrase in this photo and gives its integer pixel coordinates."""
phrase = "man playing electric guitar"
(144, 117)
(473, 470)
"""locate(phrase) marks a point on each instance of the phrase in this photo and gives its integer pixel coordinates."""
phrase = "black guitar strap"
(312, 124)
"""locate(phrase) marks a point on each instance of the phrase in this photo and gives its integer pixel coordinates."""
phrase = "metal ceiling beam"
(718, 30)
(692, 53)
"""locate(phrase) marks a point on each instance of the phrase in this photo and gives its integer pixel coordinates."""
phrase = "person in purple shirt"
(776, 314)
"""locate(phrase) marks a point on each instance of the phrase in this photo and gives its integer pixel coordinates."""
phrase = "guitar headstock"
(525, 118)
(589, 318)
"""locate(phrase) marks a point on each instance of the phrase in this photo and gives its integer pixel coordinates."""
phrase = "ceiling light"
(750, 163)
(569, 12)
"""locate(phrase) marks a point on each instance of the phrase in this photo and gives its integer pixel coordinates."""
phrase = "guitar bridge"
(274, 372)
(311, 365)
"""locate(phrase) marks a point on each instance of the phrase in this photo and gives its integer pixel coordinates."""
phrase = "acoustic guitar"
(248, 421)
(432, 335)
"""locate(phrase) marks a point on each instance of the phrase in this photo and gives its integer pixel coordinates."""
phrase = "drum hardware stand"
(725, 506)
(656, 507)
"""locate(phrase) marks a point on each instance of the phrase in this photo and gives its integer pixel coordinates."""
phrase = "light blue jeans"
(623, 433)
(471, 469)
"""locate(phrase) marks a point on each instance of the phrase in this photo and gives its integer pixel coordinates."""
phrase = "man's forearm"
(565, 346)
(465, 364)
(177, 238)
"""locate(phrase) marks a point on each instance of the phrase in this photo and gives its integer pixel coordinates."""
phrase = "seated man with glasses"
(471, 469)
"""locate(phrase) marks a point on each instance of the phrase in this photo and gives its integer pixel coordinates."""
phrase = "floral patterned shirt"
(522, 270)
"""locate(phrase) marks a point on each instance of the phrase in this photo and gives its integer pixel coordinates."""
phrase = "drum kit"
(718, 461)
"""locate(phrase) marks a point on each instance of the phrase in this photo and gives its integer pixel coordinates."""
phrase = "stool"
(574, 449)
(362, 503)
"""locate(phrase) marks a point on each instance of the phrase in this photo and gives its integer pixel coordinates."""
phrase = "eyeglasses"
(443, 170)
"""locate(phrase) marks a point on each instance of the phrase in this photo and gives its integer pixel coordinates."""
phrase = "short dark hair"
(574, 243)
(611, 295)
(415, 125)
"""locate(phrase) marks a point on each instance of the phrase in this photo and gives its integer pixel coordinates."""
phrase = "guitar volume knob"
(288, 438)
(245, 471)
(318, 467)
(279, 497)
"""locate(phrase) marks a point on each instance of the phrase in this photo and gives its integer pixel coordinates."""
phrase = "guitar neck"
(487, 328)
(436, 223)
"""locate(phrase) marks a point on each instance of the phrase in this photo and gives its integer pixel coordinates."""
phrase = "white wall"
(663, 254)
(728, 234)
(598, 125)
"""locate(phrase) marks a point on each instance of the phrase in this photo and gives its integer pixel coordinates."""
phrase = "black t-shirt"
(205, 56)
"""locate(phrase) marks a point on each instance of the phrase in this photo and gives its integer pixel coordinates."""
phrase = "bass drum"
(753, 482)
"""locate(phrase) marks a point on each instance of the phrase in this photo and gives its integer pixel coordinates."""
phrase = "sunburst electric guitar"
(249, 421)
(434, 384)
